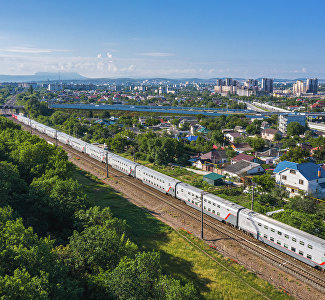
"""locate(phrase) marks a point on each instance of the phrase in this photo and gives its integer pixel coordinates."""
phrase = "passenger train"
(296, 243)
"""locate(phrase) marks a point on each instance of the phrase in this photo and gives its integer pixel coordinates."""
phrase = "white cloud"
(30, 50)
(99, 55)
(109, 55)
(157, 54)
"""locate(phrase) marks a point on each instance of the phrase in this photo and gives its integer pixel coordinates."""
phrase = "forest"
(55, 244)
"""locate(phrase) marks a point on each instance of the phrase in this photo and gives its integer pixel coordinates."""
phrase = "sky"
(171, 39)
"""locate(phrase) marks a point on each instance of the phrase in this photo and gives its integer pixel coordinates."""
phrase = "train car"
(221, 209)
(191, 195)
(161, 182)
(77, 144)
(123, 165)
(15, 116)
(296, 243)
(63, 138)
(98, 153)
(40, 127)
(50, 132)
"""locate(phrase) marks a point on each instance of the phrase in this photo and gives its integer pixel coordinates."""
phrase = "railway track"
(281, 260)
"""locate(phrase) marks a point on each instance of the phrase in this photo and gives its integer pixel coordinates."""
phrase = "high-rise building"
(251, 83)
(312, 85)
(267, 85)
(220, 82)
(284, 120)
(229, 81)
(299, 87)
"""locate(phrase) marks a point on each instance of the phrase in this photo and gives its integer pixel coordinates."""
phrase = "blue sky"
(140, 38)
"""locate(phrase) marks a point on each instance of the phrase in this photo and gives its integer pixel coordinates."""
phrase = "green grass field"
(181, 257)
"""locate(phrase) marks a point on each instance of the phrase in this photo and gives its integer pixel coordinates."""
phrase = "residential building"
(267, 85)
(269, 134)
(243, 168)
(242, 147)
(243, 156)
(312, 85)
(299, 87)
(233, 135)
(307, 177)
(284, 120)
(269, 156)
(214, 156)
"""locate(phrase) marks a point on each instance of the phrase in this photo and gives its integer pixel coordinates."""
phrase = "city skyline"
(163, 39)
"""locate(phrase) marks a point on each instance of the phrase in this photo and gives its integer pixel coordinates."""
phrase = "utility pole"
(202, 217)
(106, 164)
(252, 207)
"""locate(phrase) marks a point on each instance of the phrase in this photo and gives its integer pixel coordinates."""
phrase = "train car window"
(272, 229)
(279, 233)
(310, 246)
(272, 239)
(309, 256)
(301, 243)
(286, 236)
(214, 204)
(214, 211)
(266, 227)
(204, 207)
(182, 191)
(278, 242)
(265, 235)
(301, 253)
(286, 246)
(294, 239)
(259, 224)
(209, 202)
(205, 200)
(218, 206)
(209, 209)
(293, 249)
(218, 214)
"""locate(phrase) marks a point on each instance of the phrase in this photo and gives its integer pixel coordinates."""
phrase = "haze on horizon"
(279, 39)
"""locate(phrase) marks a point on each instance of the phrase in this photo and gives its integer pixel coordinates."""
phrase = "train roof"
(191, 187)
(123, 159)
(161, 175)
(223, 201)
(289, 228)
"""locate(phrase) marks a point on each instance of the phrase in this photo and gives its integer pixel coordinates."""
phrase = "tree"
(265, 182)
(294, 128)
(21, 285)
(256, 143)
(135, 278)
(98, 247)
(297, 155)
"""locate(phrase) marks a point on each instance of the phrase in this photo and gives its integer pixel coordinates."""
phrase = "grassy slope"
(179, 257)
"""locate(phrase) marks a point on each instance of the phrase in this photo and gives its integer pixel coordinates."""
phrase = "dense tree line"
(54, 244)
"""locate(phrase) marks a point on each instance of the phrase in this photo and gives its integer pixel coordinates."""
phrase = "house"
(232, 136)
(265, 125)
(242, 147)
(213, 179)
(307, 177)
(215, 156)
(269, 156)
(243, 156)
(243, 168)
(269, 134)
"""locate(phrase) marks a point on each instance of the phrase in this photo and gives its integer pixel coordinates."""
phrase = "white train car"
(50, 132)
(98, 153)
(221, 209)
(296, 243)
(22, 119)
(191, 195)
(161, 182)
(40, 127)
(123, 165)
(78, 144)
(63, 138)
